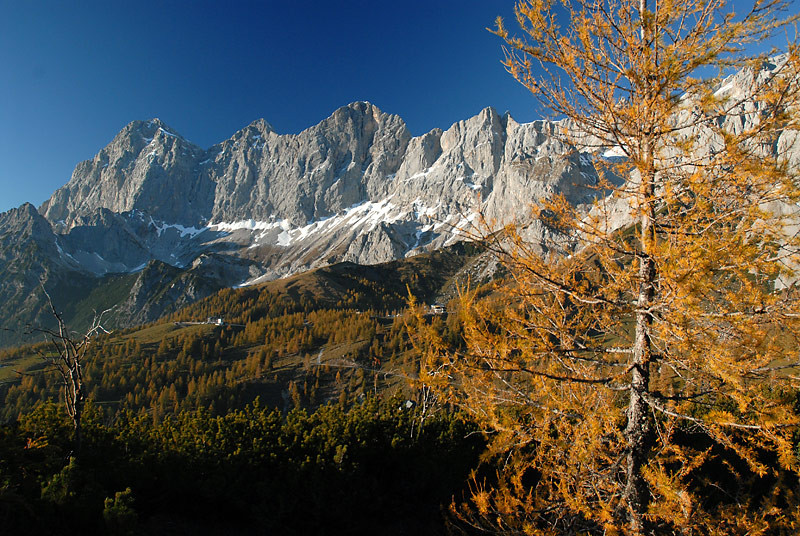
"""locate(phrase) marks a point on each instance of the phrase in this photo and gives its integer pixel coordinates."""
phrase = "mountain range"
(154, 222)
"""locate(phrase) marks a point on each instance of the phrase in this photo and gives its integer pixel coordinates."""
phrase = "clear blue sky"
(75, 73)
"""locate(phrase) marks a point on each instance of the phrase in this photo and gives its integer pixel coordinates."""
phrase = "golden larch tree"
(643, 372)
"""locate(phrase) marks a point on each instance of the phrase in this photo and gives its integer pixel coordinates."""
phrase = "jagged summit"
(23, 222)
(147, 166)
(148, 129)
(355, 187)
(256, 129)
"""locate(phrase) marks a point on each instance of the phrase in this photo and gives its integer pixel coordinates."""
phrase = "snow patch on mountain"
(365, 216)
(185, 232)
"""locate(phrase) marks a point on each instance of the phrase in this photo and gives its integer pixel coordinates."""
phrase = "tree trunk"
(77, 432)
(637, 432)
(636, 494)
(75, 408)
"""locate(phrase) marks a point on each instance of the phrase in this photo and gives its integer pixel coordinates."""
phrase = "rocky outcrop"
(340, 162)
(146, 167)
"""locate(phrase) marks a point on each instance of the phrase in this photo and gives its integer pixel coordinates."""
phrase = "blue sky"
(75, 73)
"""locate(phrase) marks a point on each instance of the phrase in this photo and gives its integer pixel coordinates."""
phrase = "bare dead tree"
(65, 353)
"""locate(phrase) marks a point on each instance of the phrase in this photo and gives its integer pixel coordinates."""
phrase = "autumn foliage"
(641, 377)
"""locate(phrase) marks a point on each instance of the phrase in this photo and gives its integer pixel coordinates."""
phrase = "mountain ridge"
(356, 187)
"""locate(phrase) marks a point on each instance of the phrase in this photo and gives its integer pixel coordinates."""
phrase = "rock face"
(357, 155)
(355, 187)
(28, 249)
(341, 162)
(146, 167)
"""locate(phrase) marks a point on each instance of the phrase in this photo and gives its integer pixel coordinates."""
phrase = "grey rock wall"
(355, 187)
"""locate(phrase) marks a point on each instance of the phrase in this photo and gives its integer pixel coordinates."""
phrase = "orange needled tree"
(641, 377)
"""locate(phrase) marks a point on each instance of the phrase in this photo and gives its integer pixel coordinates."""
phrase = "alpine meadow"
(586, 324)
(637, 374)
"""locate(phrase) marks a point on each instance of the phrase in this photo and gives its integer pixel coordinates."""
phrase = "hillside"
(329, 334)
(303, 389)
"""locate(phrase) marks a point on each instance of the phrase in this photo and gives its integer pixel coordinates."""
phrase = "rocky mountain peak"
(24, 222)
(141, 133)
(146, 166)
(361, 116)
(255, 131)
